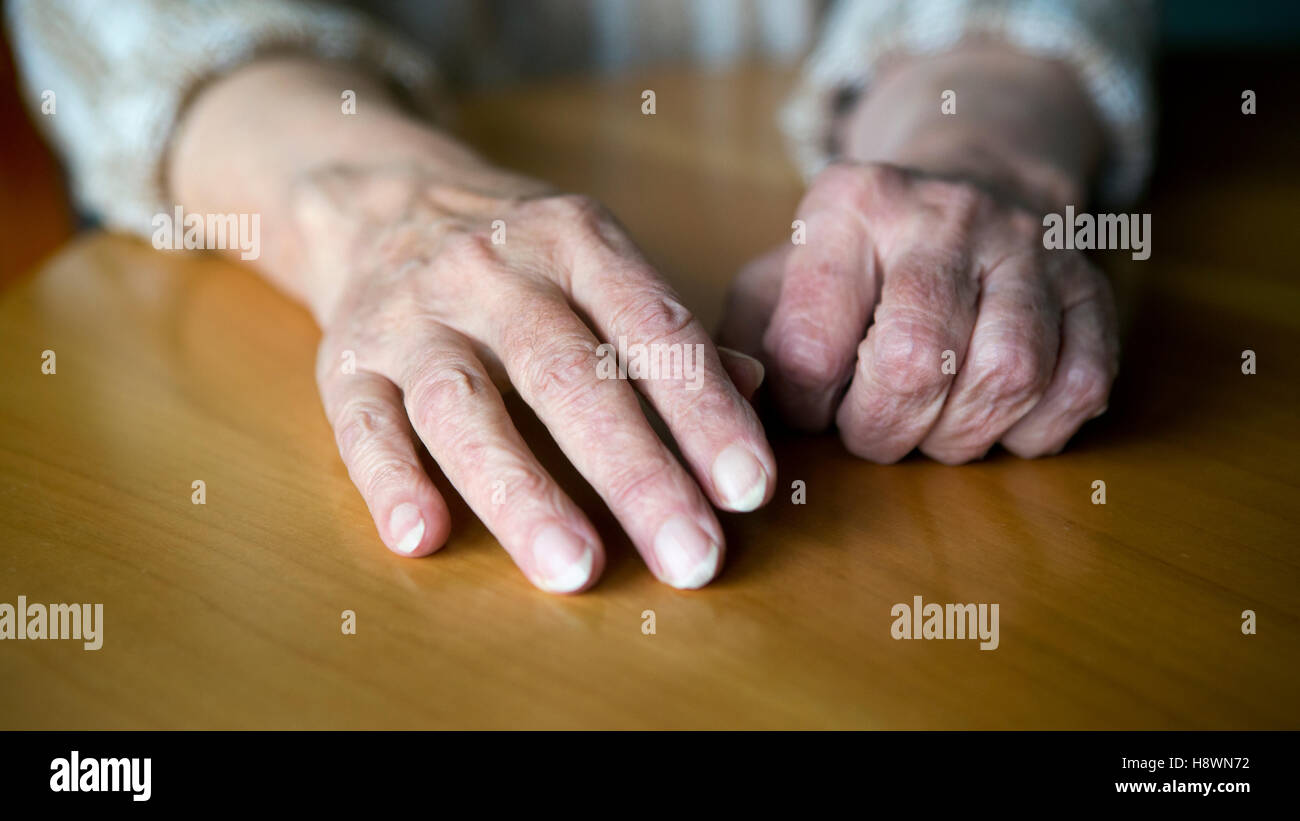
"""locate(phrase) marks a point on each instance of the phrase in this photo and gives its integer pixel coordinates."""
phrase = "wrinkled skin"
(899, 268)
(437, 317)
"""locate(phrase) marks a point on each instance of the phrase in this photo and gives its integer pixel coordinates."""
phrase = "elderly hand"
(925, 313)
(440, 289)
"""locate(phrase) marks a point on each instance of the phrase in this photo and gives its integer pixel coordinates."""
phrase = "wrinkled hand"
(901, 274)
(435, 315)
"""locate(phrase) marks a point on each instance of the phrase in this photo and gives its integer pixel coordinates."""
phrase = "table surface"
(173, 368)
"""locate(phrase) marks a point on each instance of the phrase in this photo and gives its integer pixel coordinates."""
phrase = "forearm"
(1022, 125)
(249, 141)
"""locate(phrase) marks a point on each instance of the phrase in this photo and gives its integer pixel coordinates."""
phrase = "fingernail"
(561, 560)
(405, 519)
(755, 367)
(687, 556)
(739, 478)
(1104, 408)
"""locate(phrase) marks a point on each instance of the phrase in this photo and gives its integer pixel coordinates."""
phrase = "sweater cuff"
(122, 73)
(1105, 42)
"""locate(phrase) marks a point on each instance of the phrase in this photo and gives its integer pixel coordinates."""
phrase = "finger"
(1081, 383)
(746, 372)
(751, 300)
(717, 431)
(463, 421)
(374, 439)
(551, 358)
(925, 318)
(1008, 365)
(827, 293)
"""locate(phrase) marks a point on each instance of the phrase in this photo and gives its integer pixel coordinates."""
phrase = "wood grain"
(174, 367)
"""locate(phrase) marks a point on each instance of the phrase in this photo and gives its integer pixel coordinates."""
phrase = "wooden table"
(175, 368)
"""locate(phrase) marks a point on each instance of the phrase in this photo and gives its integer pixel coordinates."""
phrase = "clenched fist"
(925, 313)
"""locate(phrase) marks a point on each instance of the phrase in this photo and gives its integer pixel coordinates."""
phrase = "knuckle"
(1087, 386)
(1010, 370)
(461, 251)
(630, 479)
(954, 210)
(586, 232)
(653, 317)
(523, 482)
(362, 422)
(907, 356)
(385, 473)
(861, 186)
(440, 388)
(579, 210)
(560, 372)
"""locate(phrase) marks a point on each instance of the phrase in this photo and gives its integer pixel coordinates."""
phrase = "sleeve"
(122, 70)
(1108, 43)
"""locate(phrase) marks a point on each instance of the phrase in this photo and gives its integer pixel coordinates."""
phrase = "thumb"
(745, 371)
(750, 303)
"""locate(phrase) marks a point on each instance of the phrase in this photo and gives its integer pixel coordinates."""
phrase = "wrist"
(272, 138)
(1018, 125)
(984, 160)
